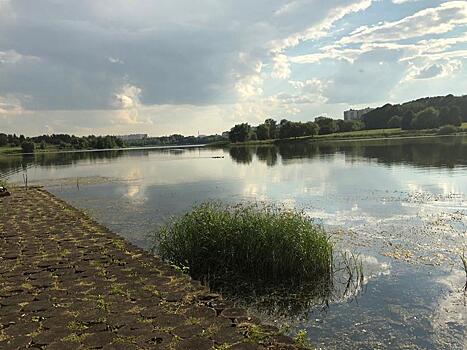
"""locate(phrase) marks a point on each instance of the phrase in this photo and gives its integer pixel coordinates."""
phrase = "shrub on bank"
(28, 147)
(447, 130)
(251, 242)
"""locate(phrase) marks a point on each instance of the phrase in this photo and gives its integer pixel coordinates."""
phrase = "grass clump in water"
(247, 242)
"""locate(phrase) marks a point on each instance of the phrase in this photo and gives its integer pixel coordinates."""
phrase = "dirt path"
(67, 282)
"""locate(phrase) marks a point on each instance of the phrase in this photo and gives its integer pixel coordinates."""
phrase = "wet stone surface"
(67, 282)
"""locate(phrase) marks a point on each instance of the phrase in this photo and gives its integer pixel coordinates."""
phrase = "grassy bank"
(361, 134)
(55, 149)
(17, 150)
(246, 242)
(9, 150)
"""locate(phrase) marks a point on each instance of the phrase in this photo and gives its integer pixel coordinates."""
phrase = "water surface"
(400, 204)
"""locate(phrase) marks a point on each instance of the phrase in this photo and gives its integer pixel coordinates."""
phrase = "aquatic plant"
(247, 242)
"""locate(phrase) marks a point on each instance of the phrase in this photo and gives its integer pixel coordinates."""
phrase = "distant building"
(132, 137)
(356, 114)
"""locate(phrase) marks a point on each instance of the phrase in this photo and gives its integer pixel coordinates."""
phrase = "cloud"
(128, 105)
(337, 11)
(177, 52)
(281, 68)
(10, 106)
(403, 1)
(308, 91)
(436, 20)
(372, 60)
(125, 65)
(438, 69)
(367, 79)
(115, 60)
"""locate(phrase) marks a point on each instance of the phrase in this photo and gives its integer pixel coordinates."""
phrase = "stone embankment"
(67, 282)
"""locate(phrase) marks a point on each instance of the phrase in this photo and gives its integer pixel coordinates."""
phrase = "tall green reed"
(247, 242)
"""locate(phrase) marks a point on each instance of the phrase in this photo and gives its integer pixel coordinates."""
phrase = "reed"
(246, 242)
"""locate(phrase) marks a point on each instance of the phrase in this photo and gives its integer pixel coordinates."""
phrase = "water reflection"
(447, 152)
(441, 152)
(10, 164)
(345, 281)
(399, 202)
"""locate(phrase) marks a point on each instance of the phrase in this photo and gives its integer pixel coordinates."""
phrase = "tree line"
(176, 139)
(60, 141)
(425, 113)
(65, 141)
(270, 129)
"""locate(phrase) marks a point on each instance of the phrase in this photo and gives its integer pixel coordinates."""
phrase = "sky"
(187, 66)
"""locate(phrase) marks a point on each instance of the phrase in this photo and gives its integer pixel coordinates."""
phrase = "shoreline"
(357, 136)
(69, 282)
(345, 139)
(10, 151)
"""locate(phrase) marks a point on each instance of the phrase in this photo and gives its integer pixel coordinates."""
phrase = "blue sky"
(180, 66)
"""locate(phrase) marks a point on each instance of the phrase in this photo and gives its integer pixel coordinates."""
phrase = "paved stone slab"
(67, 282)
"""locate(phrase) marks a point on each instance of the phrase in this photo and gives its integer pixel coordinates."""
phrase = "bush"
(426, 119)
(28, 147)
(395, 122)
(450, 116)
(406, 121)
(249, 242)
(447, 130)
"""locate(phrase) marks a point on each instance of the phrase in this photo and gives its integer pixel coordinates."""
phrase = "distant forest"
(60, 141)
(425, 113)
(64, 141)
(176, 139)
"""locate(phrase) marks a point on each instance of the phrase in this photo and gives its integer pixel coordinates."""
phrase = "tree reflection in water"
(443, 152)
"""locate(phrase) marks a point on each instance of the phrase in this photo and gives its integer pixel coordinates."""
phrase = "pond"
(399, 204)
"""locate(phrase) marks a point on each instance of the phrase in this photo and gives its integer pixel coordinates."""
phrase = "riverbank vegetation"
(176, 140)
(419, 117)
(428, 116)
(261, 244)
(10, 143)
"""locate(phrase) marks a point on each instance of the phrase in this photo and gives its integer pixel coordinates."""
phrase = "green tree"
(450, 116)
(240, 133)
(297, 129)
(343, 125)
(262, 132)
(310, 129)
(272, 126)
(407, 118)
(3, 140)
(326, 125)
(28, 147)
(357, 125)
(426, 119)
(395, 122)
